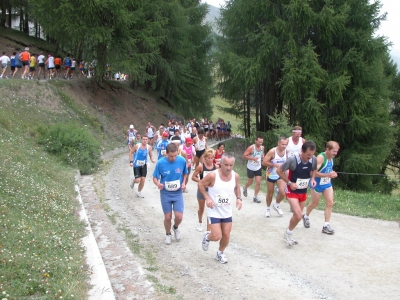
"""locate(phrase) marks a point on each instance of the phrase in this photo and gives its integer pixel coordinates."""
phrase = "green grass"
(217, 113)
(367, 205)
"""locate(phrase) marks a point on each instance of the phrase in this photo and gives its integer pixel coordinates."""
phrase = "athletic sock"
(288, 231)
(326, 224)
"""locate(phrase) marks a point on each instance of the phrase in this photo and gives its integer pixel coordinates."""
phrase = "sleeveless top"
(301, 175)
(217, 158)
(51, 62)
(193, 135)
(140, 156)
(131, 136)
(223, 194)
(271, 171)
(255, 165)
(189, 153)
(206, 171)
(150, 132)
(292, 148)
(201, 144)
(326, 168)
(32, 62)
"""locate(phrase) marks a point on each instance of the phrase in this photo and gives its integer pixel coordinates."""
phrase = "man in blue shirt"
(162, 144)
(169, 176)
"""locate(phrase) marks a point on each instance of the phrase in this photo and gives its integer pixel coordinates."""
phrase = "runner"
(272, 160)
(295, 141)
(254, 155)
(12, 63)
(73, 67)
(50, 65)
(138, 160)
(324, 186)
(199, 173)
(223, 186)
(218, 153)
(4, 59)
(162, 145)
(151, 130)
(41, 64)
(57, 65)
(25, 59)
(18, 64)
(190, 154)
(130, 134)
(301, 170)
(32, 67)
(169, 176)
(200, 144)
(67, 64)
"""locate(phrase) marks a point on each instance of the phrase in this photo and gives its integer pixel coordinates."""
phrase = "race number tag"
(131, 138)
(205, 173)
(189, 162)
(172, 185)
(324, 180)
(218, 161)
(140, 163)
(163, 152)
(222, 200)
(255, 162)
(302, 183)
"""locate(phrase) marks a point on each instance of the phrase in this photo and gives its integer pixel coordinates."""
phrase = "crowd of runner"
(181, 149)
(30, 65)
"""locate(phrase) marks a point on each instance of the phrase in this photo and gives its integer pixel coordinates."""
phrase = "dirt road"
(362, 260)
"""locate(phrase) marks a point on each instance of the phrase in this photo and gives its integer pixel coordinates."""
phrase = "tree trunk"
(9, 9)
(100, 68)
(248, 121)
(21, 19)
(26, 23)
(3, 13)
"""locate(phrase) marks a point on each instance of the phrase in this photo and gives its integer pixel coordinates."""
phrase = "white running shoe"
(132, 185)
(267, 213)
(139, 194)
(199, 227)
(289, 239)
(278, 209)
(177, 234)
(168, 239)
(221, 258)
(205, 243)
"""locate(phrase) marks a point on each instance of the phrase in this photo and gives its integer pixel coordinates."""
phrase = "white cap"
(26, 49)
(131, 127)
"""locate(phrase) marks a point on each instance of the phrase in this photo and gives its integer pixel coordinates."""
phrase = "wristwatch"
(289, 183)
(239, 198)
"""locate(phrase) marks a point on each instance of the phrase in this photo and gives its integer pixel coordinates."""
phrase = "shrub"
(73, 144)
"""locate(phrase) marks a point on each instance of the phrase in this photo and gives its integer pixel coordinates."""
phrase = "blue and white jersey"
(161, 148)
(140, 156)
(326, 168)
(170, 174)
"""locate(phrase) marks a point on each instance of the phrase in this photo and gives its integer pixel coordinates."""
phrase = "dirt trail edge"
(360, 261)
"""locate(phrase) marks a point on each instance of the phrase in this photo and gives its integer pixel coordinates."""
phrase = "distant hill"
(211, 17)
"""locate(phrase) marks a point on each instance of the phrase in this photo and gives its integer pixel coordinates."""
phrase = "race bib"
(255, 162)
(291, 154)
(131, 138)
(205, 173)
(163, 152)
(324, 180)
(222, 200)
(302, 183)
(172, 185)
(140, 163)
(189, 162)
(218, 161)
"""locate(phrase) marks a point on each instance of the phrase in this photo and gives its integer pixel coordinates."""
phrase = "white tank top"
(201, 144)
(150, 132)
(271, 171)
(292, 148)
(223, 195)
(255, 165)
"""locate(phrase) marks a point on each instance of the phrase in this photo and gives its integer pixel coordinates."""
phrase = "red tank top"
(217, 158)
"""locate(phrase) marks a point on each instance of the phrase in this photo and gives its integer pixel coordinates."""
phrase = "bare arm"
(131, 152)
(237, 192)
(207, 181)
(247, 154)
(196, 172)
(267, 159)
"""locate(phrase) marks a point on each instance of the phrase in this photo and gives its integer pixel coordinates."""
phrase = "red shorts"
(67, 67)
(300, 197)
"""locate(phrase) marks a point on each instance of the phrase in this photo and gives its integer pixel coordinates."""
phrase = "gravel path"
(360, 261)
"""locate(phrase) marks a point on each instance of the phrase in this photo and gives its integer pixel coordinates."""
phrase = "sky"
(389, 28)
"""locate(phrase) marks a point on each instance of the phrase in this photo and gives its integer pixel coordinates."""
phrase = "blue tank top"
(140, 157)
(17, 60)
(301, 175)
(12, 61)
(326, 168)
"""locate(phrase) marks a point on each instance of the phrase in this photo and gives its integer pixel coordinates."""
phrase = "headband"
(297, 131)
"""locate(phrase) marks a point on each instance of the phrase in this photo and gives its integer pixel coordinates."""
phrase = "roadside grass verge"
(366, 205)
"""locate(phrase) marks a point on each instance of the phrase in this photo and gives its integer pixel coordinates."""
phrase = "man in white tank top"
(273, 160)
(223, 191)
(150, 130)
(295, 141)
(254, 155)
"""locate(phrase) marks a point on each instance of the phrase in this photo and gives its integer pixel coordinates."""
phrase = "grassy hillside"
(217, 113)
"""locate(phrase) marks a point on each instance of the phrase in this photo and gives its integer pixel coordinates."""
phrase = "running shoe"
(244, 191)
(256, 200)
(177, 234)
(306, 221)
(132, 185)
(168, 239)
(328, 230)
(205, 242)
(139, 194)
(221, 258)
(199, 227)
(278, 209)
(288, 237)
(267, 213)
